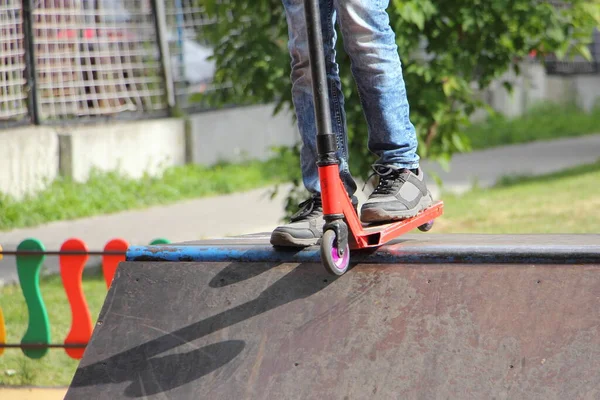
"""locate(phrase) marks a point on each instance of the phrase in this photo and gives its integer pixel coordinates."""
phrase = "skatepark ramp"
(428, 316)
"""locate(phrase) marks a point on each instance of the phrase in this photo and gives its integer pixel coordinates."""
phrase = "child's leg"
(306, 226)
(302, 95)
(371, 44)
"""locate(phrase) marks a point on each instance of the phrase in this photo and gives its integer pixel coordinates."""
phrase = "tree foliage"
(450, 50)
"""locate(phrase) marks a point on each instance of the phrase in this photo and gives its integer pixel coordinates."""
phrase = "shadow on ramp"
(202, 330)
(147, 304)
(159, 374)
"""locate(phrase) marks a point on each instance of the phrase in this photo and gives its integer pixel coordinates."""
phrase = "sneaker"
(305, 227)
(400, 194)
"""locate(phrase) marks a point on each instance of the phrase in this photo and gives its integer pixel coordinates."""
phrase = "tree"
(450, 49)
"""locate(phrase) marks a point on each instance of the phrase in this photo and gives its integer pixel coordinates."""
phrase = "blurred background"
(117, 105)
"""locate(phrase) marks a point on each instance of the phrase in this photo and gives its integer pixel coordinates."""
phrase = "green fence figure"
(159, 241)
(29, 266)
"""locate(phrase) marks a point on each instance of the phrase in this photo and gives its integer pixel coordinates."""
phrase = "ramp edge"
(407, 254)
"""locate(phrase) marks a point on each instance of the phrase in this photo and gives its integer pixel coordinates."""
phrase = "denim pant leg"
(371, 45)
(302, 93)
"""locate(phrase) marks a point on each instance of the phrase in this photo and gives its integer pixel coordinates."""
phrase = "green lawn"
(566, 202)
(542, 122)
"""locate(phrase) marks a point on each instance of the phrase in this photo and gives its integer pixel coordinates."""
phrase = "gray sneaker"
(305, 227)
(400, 194)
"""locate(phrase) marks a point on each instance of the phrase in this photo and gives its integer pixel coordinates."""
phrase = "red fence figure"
(110, 262)
(72, 260)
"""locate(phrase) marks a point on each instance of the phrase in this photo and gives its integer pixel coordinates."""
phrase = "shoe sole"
(379, 215)
(283, 239)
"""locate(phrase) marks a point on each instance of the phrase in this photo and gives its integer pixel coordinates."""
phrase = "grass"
(110, 192)
(563, 202)
(542, 122)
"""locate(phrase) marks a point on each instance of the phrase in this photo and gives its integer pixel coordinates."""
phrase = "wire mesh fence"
(96, 57)
(190, 51)
(13, 94)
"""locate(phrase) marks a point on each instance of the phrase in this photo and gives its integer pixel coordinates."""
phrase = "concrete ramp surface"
(282, 330)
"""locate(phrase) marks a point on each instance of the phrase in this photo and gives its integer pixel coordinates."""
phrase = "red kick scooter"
(338, 210)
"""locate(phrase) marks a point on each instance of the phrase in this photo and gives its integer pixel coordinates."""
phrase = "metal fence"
(95, 58)
(13, 95)
(187, 27)
(66, 60)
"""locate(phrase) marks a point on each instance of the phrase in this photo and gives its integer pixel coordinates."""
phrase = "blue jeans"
(370, 43)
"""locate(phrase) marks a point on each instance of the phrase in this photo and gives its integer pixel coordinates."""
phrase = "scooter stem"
(326, 141)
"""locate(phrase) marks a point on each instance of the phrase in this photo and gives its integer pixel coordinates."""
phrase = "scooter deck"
(375, 235)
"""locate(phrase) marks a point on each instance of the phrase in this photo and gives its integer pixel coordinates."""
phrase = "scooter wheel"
(426, 227)
(330, 257)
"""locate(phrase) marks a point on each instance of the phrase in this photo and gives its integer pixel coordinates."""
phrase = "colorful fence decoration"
(2, 329)
(29, 266)
(73, 257)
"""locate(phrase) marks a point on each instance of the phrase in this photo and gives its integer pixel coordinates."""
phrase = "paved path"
(486, 166)
(254, 211)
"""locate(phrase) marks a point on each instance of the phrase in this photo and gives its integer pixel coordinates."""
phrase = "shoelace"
(388, 179)
(312, 207)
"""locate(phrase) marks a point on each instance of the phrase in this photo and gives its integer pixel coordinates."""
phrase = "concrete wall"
(29, 160)
(534, 86)
(132, 148)
(238, 134)
(33, 156)
(587, 89)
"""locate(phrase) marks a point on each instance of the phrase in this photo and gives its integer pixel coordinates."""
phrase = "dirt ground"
(32, 394)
